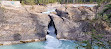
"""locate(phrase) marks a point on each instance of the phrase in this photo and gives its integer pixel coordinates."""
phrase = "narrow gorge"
(54, 26)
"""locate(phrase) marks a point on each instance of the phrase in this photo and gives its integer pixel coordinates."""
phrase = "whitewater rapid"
(52, 42)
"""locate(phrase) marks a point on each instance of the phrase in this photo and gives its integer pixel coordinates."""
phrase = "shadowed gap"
(52, 24)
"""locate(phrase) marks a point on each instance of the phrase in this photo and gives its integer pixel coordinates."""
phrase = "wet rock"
(27, 41)
(1, 44)
(9, 42)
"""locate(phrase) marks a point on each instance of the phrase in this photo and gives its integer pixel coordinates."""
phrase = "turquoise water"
(40, 45)
(65, 44)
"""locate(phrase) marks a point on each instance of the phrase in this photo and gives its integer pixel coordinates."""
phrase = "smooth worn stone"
(67, 29)
(16, 25)
(78, 23)
(77, 13)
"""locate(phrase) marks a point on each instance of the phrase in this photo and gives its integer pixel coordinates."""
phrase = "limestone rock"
(22, 25)
(67, 29)
(78, 13)
(35, 8)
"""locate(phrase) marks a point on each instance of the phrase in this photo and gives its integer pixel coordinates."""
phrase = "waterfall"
(51, 41)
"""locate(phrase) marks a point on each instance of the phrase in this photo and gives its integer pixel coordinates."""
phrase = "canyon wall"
(73, 23)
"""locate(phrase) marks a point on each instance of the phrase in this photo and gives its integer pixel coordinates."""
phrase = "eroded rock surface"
(16, 25)
(78, 23)
(74, 23)
(67, 29)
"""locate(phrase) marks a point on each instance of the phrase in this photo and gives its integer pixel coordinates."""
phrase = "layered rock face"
(70, 23)
(16, 25)
(73, 23)
(77, 23)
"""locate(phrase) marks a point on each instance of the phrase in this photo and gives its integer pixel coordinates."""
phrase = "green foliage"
(91, 1)
(95, 41)
(46, 1)
(109, 6)
(106, 9)
(61, 1)
(31, 2)
(105, 15)
(87, 46)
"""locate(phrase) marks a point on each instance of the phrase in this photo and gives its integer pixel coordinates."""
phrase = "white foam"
(49, 10)
(52, 42)
(11, 3)
(88, 5)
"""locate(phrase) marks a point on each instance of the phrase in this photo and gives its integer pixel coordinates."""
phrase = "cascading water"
(51, 37)
(52, 42)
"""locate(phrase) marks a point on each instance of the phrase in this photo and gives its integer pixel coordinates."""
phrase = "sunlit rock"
(16, 25)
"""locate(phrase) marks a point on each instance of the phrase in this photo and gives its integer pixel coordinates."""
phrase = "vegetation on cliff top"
(62, 1)
(96, 38)
(105, 15)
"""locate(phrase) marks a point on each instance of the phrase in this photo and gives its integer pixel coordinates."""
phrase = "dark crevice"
(62, 14)
(62, 18)
(52, 24)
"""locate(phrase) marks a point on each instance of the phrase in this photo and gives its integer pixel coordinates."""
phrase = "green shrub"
(106, 14)
(31, 2)
(61, 1)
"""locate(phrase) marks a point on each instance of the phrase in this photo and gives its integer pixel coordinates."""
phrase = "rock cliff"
(73, 23)
(17, 25)
(80, 23)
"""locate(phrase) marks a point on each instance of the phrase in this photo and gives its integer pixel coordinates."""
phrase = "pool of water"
(41, 45)
(64, 44)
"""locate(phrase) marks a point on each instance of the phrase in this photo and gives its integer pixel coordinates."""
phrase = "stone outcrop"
(29, 24)
(35, 8)
(17, 25)
(78, 23)
(70, 23)
(77, 13)
(67, 29)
